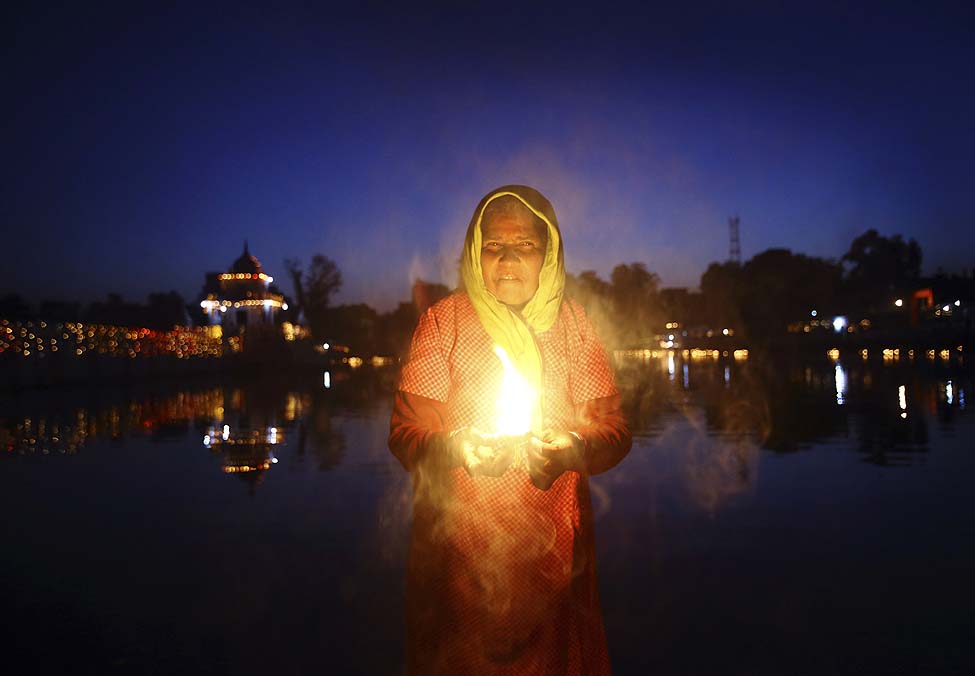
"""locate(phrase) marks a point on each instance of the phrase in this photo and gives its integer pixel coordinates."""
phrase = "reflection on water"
(750, 483)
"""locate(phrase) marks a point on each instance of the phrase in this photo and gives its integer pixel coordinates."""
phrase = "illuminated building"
(242, 297)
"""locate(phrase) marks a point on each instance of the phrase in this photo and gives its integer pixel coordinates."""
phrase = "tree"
(634, 297)
(314, 289)
(881, 265)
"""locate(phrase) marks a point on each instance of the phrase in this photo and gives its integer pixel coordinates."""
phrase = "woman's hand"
(478, 453)
(554, 452)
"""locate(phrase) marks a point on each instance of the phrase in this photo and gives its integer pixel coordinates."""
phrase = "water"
(802, 518)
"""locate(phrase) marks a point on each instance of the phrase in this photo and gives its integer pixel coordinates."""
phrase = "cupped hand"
(552, 453)
(478, 453)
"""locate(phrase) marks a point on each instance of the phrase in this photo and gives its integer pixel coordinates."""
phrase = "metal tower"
(734, 252)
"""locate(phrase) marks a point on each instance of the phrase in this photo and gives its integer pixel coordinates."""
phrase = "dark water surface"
(808, 518)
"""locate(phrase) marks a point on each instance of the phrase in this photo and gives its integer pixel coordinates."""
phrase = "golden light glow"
(833, 353)
(245, 275)
(516, 401)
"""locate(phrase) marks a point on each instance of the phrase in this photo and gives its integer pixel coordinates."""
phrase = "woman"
(501, 576)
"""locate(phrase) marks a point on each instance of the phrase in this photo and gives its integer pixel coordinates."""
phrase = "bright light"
(327, 380)
(839, 324)
(206, 440)
(272, 435)
(814, 313)
(516, 401)
(226, 432)
(284, 306)
(957, 303)
(324, 346)
(727, 375)
(725, 332)
(839, 376)
(946, 308)
(671, 366)
(902, 399)
(949, 393)
(670, 337)
(899, 302)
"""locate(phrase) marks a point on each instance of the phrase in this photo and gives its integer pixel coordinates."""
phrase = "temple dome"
(246, 263)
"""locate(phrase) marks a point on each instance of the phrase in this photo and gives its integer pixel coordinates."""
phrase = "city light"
(899, 302)
(839, 377)
(839, 324)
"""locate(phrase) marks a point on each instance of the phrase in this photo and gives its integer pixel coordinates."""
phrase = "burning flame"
(516, 400)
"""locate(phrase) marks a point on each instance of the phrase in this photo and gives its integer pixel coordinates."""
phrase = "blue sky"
(141, 149)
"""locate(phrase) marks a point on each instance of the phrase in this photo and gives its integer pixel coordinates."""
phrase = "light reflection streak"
(327, 380)
(687, 377)
(840, 377)
(727, 375)
(671, 366)
(902, 400)
(949, 393)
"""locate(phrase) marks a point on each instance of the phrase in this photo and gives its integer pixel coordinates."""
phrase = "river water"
(796, 518)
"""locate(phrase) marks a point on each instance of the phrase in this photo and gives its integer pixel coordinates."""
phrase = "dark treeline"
(160, 312)
(756, 300)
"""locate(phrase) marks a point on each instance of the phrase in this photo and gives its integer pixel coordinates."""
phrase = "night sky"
(140, 150)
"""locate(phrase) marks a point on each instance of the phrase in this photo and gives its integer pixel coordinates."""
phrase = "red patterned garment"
(501, 575)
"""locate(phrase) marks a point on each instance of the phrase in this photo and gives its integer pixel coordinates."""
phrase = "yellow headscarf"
(514, 332)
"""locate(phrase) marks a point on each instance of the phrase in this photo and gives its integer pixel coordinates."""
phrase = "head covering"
(509, 329)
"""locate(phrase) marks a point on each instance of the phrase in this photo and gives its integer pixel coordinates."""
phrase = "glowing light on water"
(902, 400)
(961, 399)
(671, 366)
(727, 375)
(226, 432)
(272, 435)
(327, 380)
(949, 393)
(687, 376)
(840, 378)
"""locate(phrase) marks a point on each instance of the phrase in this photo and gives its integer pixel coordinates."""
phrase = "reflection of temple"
(242, 297)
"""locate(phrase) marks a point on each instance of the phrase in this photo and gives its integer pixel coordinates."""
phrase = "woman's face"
(512, 253)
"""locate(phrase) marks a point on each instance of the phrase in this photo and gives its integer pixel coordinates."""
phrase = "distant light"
(226, 432)
(839, 324)
(284, 306)
(327, 379)
(272, 435)
(957, 303)
(946, 308)
(840, 380)
(899, 302)
(325, 347)
(670, 337)
(206, 440)
(814, 313)
(725, 331)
